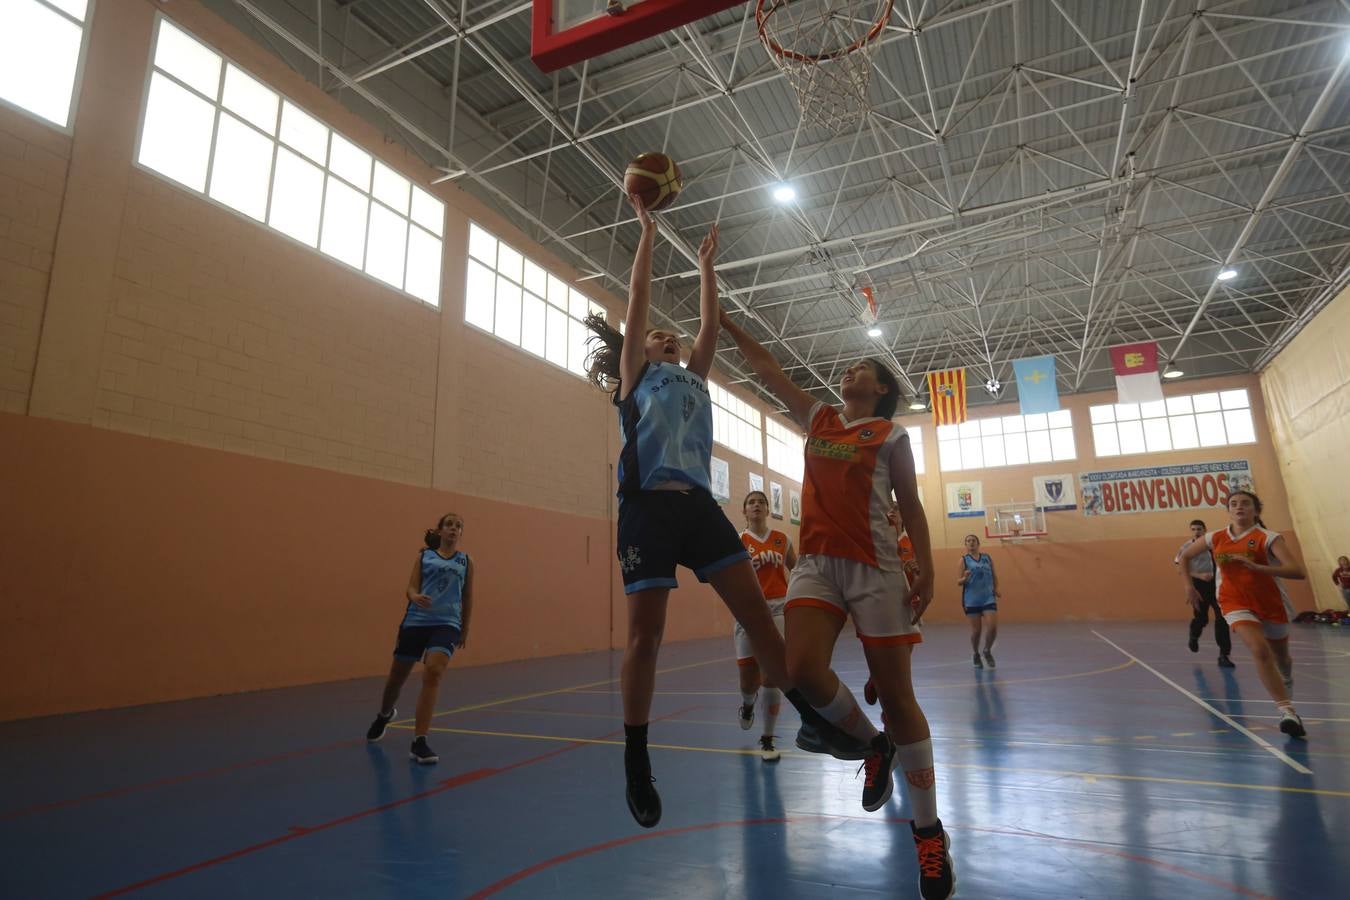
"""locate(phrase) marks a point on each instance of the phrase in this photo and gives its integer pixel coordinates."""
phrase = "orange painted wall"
(1098, 567)
(218, 449)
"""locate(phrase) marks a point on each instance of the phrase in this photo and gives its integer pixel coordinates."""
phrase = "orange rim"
(763, 14)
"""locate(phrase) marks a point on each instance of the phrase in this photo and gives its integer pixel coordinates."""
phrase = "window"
(736, 424)
(40, 49)
(1006, 441)
(786, 448)
(218, 131)
(513, 298)
(1174, 423)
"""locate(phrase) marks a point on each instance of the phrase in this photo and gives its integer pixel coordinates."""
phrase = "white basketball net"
(824, 48)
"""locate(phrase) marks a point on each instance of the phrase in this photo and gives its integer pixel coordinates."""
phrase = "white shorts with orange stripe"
(1273, 629)
(744, 655)
(876, 599)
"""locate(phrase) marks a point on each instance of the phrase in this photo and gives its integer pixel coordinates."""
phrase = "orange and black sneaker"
(937, 875)
(878, 783)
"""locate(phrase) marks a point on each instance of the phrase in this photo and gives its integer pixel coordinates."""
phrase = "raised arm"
(705, 344)
(906, 488)
(639, 302)
(798, 402)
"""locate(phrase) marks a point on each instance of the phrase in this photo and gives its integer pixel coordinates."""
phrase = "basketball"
(655, 178)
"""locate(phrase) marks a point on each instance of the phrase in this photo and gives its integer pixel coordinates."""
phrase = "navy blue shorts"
(659, 530)
(415, 641)
(979, 610)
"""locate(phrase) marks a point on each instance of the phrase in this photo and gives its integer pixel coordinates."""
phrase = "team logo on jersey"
(630, 560)
(866, 434)
(831, 449)
(778, 542)
(687, 407)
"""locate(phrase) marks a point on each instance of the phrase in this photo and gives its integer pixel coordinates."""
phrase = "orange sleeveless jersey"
(846, 490)
(1239, 587)
(768, 557)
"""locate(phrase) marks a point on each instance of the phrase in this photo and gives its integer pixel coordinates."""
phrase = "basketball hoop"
(824, 48)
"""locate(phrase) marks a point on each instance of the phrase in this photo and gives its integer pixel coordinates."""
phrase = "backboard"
(1015, 521)
(569, 31)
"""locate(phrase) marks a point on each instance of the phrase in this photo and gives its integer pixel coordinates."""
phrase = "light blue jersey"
(978, 591)
(667, 430)
(443, 582)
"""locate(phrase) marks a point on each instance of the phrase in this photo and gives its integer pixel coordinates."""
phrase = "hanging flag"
(948, 393)
(1036, 390)
(1136, 368)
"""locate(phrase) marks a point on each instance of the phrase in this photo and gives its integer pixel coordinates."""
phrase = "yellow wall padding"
(1307, 390)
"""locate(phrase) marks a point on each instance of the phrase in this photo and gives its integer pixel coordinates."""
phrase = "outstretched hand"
(640, 209)
(707, 251)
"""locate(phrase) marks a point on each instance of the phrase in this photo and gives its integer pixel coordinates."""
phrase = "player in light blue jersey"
(667, 514)
(979, 600)
(435, 624)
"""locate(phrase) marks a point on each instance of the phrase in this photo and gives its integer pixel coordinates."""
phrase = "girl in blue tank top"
(667, 514)
(979, 600)
(435, 624)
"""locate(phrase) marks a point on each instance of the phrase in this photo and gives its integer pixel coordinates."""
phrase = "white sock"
(844, 711)
(748, 699)
(770, 702)
(1286, 706)
(917, 761)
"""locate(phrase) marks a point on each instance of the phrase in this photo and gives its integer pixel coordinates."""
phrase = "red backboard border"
(646, 18)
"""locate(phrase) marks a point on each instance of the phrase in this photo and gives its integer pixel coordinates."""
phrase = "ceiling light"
(1173, 373)
(918, 406)
(874, 332)
(993, 386)
(1228, 274)
(785, 193)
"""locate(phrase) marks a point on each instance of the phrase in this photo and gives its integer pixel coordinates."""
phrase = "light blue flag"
(1036, 391)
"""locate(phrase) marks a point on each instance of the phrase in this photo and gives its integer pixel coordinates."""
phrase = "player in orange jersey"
(856, 459)
(1250, 560)
(773, 556)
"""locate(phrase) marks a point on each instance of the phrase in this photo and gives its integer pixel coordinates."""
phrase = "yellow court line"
(919, 686)
(567, 690)
(1087, 776)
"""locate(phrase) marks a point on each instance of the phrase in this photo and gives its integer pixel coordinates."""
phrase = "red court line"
(175, 779)
(298, 831)
(538, 867)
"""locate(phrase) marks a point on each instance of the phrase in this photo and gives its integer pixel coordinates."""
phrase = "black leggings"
(1201, 617)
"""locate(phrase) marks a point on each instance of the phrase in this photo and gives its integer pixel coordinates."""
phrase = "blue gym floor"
(1076, 769)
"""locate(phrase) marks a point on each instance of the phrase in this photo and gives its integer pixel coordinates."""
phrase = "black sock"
(636, 763)
(805, 709)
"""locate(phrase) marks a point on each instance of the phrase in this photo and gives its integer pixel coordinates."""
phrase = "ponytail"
(432, 539)
(602, 362)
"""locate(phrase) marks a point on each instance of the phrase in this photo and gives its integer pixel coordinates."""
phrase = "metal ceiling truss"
(1077, 183)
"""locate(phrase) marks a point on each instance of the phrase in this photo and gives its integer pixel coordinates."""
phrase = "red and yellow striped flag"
(947, 391)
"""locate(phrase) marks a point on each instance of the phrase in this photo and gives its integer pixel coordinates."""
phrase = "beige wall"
(1307, 389)
(243, 439)
(33, 163)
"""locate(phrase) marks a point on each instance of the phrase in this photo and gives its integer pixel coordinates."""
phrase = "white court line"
(1227, 720)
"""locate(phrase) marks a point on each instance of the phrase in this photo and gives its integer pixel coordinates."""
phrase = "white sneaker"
(767, 751)
(746, 715)
(1291, 724)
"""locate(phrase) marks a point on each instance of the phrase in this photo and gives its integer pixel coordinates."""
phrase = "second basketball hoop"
(824, 48)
